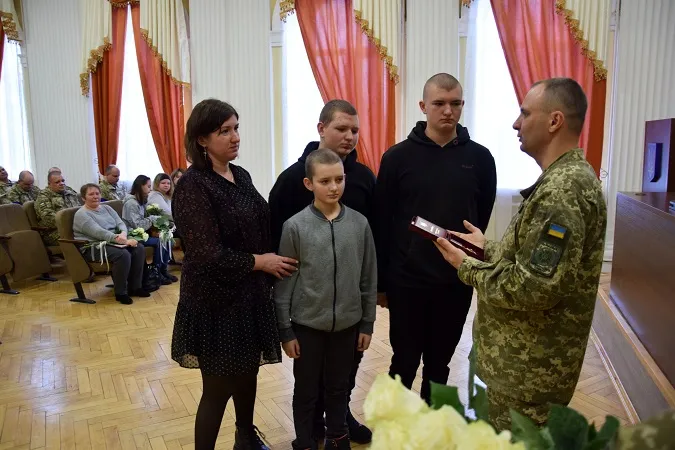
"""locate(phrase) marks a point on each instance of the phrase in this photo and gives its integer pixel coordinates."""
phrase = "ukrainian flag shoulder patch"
(557, 231)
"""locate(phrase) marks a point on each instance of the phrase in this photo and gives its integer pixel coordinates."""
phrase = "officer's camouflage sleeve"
(545, 265)
(45, 211)
(490, 249)
(13, 196)
(105, 191)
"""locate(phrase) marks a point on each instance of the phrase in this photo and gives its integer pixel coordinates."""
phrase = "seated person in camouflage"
(538, 286)
(111, 188)
(5, 186)
(69, 190)
(52, 199)
(24, 190)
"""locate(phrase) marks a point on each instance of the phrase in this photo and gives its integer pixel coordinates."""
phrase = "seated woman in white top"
(162, 191)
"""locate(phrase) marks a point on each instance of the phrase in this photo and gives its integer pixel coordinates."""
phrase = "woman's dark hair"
(207, 116)
(85, 188)
(137, 189)
(158, 179)
(176, 172)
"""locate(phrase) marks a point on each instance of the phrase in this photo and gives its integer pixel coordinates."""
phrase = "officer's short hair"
(567, 96)
(320, 156)
(335, 106)
(442, 80)
(109, 169)
(51, 174)
(23, 174)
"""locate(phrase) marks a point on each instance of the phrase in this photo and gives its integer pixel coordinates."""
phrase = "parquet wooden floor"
(77, 376)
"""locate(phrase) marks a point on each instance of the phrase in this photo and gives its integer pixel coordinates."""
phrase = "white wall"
(230, 46)
(58, 112)
(643, 90)
(431, 46)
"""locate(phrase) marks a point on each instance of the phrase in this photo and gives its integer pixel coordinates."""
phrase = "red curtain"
(538, 45)
(106, 89)
(348, 66)
(163, 102)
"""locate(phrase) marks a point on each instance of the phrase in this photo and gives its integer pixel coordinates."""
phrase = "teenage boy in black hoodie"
(338, 129)
(440, 174)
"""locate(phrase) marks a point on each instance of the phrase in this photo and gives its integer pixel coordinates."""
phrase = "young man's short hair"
(334, 106)
(320, 156)
(442, 80)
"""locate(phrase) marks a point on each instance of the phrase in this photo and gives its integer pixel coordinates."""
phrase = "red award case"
(432, 231)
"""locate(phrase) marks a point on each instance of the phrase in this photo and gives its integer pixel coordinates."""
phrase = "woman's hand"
(279, 266)
(132, 242)
(120, 239)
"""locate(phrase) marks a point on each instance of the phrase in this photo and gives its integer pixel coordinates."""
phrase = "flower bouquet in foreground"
(163, 223)
(401, 420)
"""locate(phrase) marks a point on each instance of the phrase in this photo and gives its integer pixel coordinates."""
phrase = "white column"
(431, 46)
(643, 90)
(58, 111)
(230, 45)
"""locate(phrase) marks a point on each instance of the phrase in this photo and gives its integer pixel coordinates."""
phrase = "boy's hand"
(292, 348)
(364, 342)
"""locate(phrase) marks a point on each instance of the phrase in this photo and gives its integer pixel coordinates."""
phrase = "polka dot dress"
(225, 321)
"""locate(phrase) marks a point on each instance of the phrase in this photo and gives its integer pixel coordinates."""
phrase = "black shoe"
(167, 275)
(164, 281)
(341, 443)
(124, 299)
(358, 433)
(140, 293)
(249, 439)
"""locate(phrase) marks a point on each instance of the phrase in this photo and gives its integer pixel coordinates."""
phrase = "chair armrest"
(42, 228)
(73, 241)
(4, 238)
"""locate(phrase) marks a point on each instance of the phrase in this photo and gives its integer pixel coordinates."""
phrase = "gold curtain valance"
(10, 20)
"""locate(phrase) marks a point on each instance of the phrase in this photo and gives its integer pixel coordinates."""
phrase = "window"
(303, 99)
(492, 107)
(14, 145)
(136, 154)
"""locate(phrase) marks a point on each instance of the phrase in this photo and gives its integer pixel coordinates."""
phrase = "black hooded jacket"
(444, 185)
(289, 195)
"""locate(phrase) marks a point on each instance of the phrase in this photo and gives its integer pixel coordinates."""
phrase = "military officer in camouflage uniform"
(24, 190)
(111, 188)
(537, 288)
(69, 190)
(5, 186)
(52, 199)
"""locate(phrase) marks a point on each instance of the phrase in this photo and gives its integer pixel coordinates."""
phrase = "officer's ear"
(556, 121)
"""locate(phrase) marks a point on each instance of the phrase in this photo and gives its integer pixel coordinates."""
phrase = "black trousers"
(320, 408)
(322, 355)
(126, 266)
(426, 323)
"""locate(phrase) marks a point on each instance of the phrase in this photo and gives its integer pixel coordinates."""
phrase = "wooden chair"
(22, 248)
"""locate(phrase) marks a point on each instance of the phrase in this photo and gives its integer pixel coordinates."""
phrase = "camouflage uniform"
(537, 291)
(112, 192)
(657, 432)
(4, 191)
(18, 195)
(48, 203)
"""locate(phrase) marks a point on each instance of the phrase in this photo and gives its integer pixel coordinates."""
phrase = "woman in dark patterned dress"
(225, 322)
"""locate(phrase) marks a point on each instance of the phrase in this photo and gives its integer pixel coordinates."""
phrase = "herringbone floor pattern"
(76, 376)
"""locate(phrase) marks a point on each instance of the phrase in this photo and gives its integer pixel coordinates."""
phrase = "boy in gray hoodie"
(329, 303)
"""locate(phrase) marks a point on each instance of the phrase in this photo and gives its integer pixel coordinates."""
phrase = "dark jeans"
(426, 323)
(126, 266)
(322, 355)
(320, 408)
(160, 256)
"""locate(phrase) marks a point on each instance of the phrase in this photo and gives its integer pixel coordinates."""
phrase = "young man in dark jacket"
(441, 175)
(338, 129)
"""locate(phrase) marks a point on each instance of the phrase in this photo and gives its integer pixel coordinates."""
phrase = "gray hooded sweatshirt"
(335, 286)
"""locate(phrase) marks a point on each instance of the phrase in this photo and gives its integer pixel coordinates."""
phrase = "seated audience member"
(176, 174)
(24, 190)
(69, 190)
(133, 214)
(5, 186)
(49, 201)
(99, 222)
(111, 188)
(162, 191)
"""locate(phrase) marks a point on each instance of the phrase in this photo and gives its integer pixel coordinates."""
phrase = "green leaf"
(524, 430)
(605, 436)
(479, 404)
(568, 428)
(442, 395)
